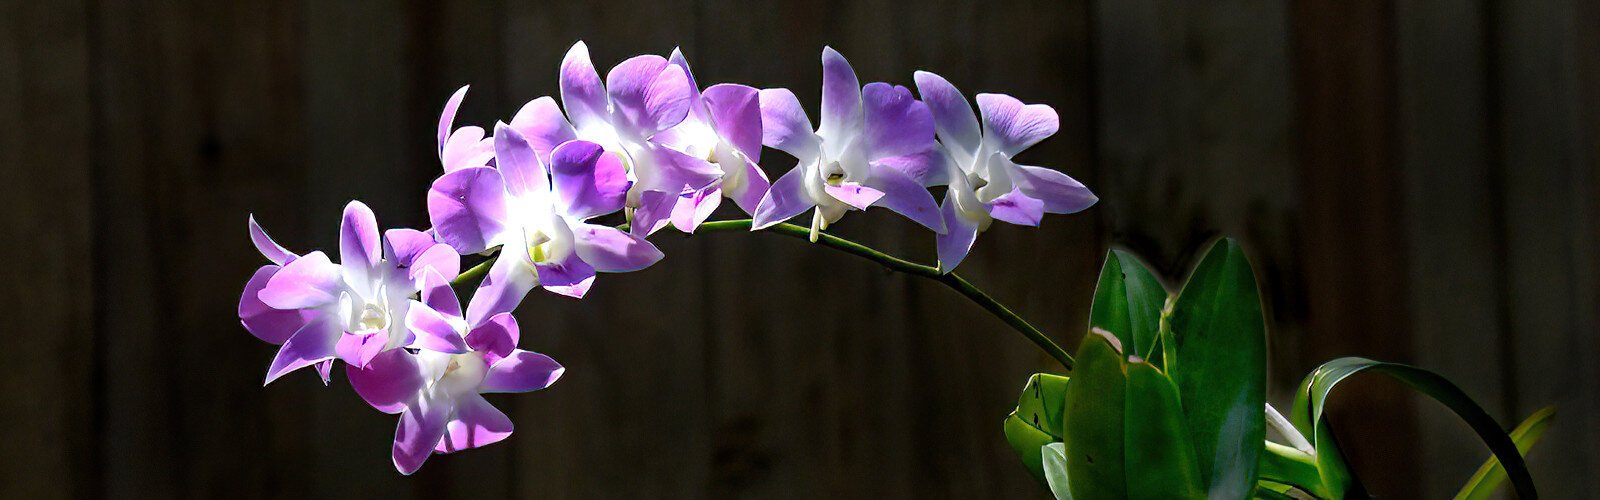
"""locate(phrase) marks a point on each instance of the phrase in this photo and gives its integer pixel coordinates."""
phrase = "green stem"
(955, 282)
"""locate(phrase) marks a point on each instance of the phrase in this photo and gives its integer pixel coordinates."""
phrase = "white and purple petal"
(508, 281)
(310, 281)
(448, 117)
(952, 115)
(1013, 126)
(541, 122)
(270, 325)
(1017, 208)
(360, 245)
(784, 125)
(786, 199)
(736, 114)
(477, 423)
(390, 380)
(581, 91)
(960, 233)
(896, 123)
(312, 344)
(588, 182)
(467, 208)
(434, 331)
(569, 276)
(496, 338)
(906, 196)
(268, 248)
(647, 94)
(841, 98)
(611, 250)
(422, 425)
(522, 371)
(1061, 194)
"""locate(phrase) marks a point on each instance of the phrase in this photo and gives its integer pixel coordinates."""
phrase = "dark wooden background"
(1416, 181)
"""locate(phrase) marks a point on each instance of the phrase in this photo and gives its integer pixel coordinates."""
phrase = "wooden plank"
(630, 417)
(1453, 228)
(47, 420)
(191, 104)
(1547, 149)
(1351, 235)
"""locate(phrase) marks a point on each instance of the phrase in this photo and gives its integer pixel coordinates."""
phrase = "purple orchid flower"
(344, 311)
(985, 184)
(464, 147)
(438, 391)
(724, 128)
(536, 214)
(640, 98)
(875, 147)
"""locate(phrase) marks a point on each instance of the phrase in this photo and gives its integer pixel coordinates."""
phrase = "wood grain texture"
(1414, 181)
(45, 190)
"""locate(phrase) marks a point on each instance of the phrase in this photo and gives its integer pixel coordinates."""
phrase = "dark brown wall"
(1416, 181)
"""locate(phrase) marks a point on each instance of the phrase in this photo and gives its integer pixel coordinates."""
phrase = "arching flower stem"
(952, 280)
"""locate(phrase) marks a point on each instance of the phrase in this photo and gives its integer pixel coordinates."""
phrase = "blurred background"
(1415, 181)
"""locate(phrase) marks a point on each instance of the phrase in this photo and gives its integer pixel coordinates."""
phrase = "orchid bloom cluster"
(648, 142)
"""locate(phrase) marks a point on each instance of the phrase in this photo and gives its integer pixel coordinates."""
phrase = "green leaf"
(1491, 475)
(1288, 466)
(1037, 420)
(1216, 353)
(1313, 395)
(1127, 302)
(1094, 434)
(1055, 470)
(1160, 457)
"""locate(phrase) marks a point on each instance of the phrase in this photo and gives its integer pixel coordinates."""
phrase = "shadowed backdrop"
(1414, 180)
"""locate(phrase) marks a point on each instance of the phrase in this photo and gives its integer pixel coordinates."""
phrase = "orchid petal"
(929, 168)
(952, 114)
(448, 117)
(581, 91)
(1013, 126)
(960, 233)
(357, 349)
(437, 294)
(268, 248)
(312, 344)
(648, 94)
(692, 209)
(896, 123)
(786, 199)
(841, 98)
(784, 125)
(736, 113)
(468, 208)
(271, 325)
(752, 185)
(403, 246)
(677, 59)
(477, 424)
(496, 338)
(439, 257)
(518, 163)
(675, 172)
(589, 181)
(421, 426)
(541, 123)
(311, 280)
(389, 381)
(611, 250)
(1017, 208)
(905, 195)
(522, 371)
(854, 194)
(509, 279)
(360, 248)
(466, 148)
(570, 276)
(654, 212)
(434, 331)
(1061, 194)
(324, 370)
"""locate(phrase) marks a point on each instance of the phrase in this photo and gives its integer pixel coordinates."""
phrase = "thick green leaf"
(1094, 434)
(1216, 353)
(1491, 475)
(1313, 394)
(1160, 457)
(1037, 421)
(1127, 302)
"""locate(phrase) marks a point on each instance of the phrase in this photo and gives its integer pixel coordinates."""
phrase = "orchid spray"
(569, 188)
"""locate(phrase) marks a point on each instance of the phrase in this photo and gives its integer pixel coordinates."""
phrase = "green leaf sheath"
(1313, 395)
(1491, 475)
(957, 283)
(1216, 352)
(1127, 302)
